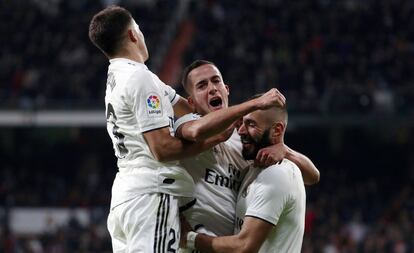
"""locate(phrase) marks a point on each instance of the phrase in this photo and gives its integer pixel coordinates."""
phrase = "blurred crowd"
(47, 60)
(326, 56)
(363, 203)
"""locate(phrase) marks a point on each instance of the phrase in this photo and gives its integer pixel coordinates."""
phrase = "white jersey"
(217, 174)
(276, 195)
(137, 101)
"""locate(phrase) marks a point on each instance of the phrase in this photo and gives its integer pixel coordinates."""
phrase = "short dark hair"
(107, 28)
(195, 64)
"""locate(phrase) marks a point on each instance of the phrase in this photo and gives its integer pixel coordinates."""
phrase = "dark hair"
(107, 28)
(189, 68)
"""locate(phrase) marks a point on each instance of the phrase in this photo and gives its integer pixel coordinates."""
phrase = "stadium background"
(346, 68)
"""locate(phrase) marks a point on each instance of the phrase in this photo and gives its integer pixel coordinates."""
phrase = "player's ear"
(190, 101)
(278, 131)
(227, 88)
(131, 36)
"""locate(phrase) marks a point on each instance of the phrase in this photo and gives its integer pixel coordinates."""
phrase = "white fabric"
(276, 195)
(138, 101)
(217, 174)
(147, 223)
(184, 119)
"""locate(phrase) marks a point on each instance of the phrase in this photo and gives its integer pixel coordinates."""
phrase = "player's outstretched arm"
(217, 121)
(165, 147)
(254, 232)
(272, 154)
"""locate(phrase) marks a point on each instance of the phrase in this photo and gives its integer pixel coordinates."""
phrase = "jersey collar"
(128, 61)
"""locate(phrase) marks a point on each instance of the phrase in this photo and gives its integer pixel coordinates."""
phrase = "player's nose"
(241, 130)
(212, 89)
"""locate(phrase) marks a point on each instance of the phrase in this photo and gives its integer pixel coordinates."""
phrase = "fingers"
(274, 98)
(280, 99)
(269, 156)
(269, 161)
(265, 159)
(261, 158)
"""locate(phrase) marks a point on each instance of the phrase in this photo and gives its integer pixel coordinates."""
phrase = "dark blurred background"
(346, 68)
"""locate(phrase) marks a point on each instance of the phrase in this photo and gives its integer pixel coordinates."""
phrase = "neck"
(130, 54)
(276, 140)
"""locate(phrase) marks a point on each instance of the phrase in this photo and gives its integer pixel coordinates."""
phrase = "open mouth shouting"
(246, 141)
(216, 103)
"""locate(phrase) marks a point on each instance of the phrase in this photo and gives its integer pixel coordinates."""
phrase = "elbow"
(164, 156)
(247, 246)
(314, 179)
(160, 154)
(317, 177)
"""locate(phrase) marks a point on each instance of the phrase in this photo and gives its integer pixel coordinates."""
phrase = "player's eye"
(201, 85)
(249, 123)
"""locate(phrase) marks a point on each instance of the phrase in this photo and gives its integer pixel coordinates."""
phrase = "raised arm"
(254, 232)
(217, 121)
(165, 147)
(309, 171)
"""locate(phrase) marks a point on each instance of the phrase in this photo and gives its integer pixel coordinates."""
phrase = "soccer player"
(271, 204)
(218, 172)
(139, 111)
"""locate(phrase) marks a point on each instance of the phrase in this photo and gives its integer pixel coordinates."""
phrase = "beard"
(250, 154)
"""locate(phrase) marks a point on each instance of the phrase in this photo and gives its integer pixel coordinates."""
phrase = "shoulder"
(279, 175)
(141, 76)
(143, 82)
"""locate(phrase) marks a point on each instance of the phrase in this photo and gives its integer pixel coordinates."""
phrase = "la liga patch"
(154, 107)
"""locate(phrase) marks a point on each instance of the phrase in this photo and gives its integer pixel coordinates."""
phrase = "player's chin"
(248, 153)
(248, 148)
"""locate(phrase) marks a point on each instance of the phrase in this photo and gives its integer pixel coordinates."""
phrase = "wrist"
(255, 104)
(191, 237)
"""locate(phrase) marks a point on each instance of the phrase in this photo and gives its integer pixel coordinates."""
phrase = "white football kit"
(276, 195)
(144, 209)
(217, 174)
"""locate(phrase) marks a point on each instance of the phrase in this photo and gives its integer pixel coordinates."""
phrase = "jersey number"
(172, 241)
(120, 149)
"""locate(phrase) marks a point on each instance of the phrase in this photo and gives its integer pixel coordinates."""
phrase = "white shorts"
(147, 223)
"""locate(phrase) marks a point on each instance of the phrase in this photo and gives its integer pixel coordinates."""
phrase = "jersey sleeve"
(147, 102)
(172, 94)
(270, 195)
(186, 118)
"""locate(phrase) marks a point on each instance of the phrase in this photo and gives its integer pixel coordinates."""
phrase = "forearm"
(175, 149)
(309, 171)
(217, 121)
(224, 244)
